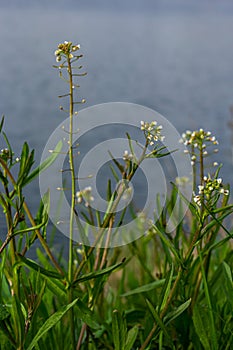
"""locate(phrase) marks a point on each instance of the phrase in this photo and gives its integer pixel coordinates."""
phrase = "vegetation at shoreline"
(163, 291)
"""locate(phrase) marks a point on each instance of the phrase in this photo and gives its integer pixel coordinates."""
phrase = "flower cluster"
(127, 156)
(152, 132)
(5, 154)
(4, 151)
(198, 140)
(209, 189)
(65, 49)
(85, 195)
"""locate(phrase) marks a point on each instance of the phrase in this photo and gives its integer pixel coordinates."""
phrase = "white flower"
(197, 200)
(201, 188)
(127, 155)
(57, 52)
(85, 195)
(75, 47)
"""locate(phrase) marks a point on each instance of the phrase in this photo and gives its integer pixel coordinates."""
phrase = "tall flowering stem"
(66, 54)
(208, 189)
(197, 143)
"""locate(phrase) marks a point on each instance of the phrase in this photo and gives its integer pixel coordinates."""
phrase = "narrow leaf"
(118, 330)
(131, 337)
(33, 265)
(166, 289)
(145, 288)
(158, 320)
(86, 315)
(47, 162)
(201, 327)
(50, 322)
(97, 274)
(1, 124)
(174, 314)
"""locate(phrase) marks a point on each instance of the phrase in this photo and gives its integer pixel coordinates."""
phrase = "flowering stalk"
(66, 55)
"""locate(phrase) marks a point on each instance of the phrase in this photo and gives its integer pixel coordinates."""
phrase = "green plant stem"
(202, 179)
(105, 253)
(194, 169)
(72, 205)
(162, 314)
(110, 216)
(10, 228)
(42, 241)
(207, 295)
(32, 221)
(172, 292)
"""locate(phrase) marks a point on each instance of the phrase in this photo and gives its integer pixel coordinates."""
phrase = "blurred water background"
(173, 56)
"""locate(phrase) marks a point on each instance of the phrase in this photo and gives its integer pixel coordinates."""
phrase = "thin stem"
(208, 299)
(111, 214)
(83, 330)
(202, 178)
(28, 213)
(72, 205)
(172, 292)
(105, 253)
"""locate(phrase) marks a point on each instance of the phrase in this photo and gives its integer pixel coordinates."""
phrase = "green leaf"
(145, 288)
(131, 337)
(8, 145)
(50, 322)
(4, 313)
(114, 173)
(86, 315)
(227, 284)
(213, 330)
(109, 190)
(33, 265)
(167, 242)
(1, 124)
(174, 314)
(166, 288)
(97, 274)
(119, 166)
(24, 158)
(17, 316)
(30, 229)
(156, 154)
(130, 144)
(3, 178)
(201, 324)
(158, 320)
(218, 220)
(47, 162)
(118, 330)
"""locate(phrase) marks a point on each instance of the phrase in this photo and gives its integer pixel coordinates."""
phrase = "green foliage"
(173, 291)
